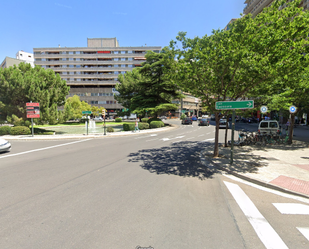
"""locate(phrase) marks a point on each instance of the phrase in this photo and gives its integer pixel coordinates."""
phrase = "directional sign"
(229, 105)
(292, 109)
(263, 109)
(33, 110)
(86, 112)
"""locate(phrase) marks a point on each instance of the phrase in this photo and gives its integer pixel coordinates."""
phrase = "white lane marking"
(209, 139)
(189, 138)
(264, 230)
(276, 192)
(154, 135)
(46, 148)
(165, 139)
(208, 133)
(304, 231)
(179, 137)
(201, 135)
(292, 208)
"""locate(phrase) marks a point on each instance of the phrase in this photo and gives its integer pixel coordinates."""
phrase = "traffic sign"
(292, 109)
(263, 109)
(230, 105)
(33, 110)
(86, 112)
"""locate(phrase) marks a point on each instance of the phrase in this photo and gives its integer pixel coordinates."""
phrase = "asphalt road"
(147, 190)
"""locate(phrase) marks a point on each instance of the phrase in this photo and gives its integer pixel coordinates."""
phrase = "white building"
(26, 57)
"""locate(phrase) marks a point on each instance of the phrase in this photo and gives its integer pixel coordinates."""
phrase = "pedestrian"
(287, 125)
(136, 126)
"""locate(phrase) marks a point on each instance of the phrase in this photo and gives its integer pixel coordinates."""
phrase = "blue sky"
(28, 24)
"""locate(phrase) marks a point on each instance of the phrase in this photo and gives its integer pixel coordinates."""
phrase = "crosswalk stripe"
(304, 231)
(292, 208)
(264, 230)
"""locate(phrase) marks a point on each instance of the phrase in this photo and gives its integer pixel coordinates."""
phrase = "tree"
(21, 84)
(151, 87)
(74, 107)
(230, 65)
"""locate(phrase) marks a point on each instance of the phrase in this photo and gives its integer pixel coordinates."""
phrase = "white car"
(4, 145)
(222, 124)
(99, 119)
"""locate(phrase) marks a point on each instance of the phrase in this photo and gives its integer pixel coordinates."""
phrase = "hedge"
(153, 119)
(144, 120)
(20, 130)
(5, 130)
(118, 119)
(110, 129)
(128, 127)
(156, 124)
(143, 126)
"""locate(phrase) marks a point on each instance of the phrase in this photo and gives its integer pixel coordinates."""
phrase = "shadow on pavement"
(181, 158)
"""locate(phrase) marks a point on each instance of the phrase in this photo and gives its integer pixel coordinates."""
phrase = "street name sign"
(86, 112)
(230, 105)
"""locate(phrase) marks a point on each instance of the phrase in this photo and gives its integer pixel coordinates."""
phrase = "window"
(71, 52)
(64, 59)
(94, 94)
(94, 102)
(71, 59)
(71, 66)
(21, 54)
(101, 102)
(123, 52)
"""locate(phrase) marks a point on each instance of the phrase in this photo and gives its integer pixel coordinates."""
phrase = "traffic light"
(103, 112)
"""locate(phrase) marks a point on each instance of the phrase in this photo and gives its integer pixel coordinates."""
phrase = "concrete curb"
(84, 136)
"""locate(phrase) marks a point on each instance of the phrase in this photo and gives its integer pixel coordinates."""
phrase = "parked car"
(163, 117)
(194, 118)
(212, 117)
(222, 123)
(4, 145)
(186, 121)
(269, 126)
(203, 122)
(98, 119)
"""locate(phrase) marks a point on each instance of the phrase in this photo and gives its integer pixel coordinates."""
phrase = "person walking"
(136, 126)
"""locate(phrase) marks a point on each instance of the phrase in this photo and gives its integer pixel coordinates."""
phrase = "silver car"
(4, 145)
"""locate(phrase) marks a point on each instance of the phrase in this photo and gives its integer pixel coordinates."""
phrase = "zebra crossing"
(263, 229)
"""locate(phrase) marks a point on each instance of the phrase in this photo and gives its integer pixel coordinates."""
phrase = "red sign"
(33, 110)
(32, 104)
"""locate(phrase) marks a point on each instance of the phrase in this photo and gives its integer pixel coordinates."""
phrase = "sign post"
(86, 112)
(103, 114)
(33, 111)
(232, 105)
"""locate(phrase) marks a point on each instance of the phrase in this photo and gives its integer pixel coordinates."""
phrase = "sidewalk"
(281, 167)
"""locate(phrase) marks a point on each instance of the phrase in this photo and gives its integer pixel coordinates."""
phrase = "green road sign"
(86, 112)
(230, 105)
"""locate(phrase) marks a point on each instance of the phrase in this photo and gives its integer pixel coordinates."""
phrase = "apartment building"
(256, 6)
(92, 71)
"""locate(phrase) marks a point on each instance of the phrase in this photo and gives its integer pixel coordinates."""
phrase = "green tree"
(74, 107)
(151, 87)
(21, 84)
(230, 65)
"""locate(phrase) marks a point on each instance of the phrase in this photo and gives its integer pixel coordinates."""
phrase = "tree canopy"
(151, 87)
(21, 84)
(247, 59)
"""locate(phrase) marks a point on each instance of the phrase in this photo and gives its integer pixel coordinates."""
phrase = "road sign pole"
(32, 127)
(232, 142)
(87, 123)
(104, 126)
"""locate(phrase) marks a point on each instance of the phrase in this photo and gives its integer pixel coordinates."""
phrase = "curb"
(84, 136)
(258, 182)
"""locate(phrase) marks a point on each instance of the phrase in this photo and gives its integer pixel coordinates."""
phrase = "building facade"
(92, 71)
(256, 6)
(21, 56)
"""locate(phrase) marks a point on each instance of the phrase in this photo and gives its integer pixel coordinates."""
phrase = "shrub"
(118, 119)
(143, 126)
(20, 130)
(153, 119)
(156, 124)
(144, 120)
(183, 116)
(110, 129)
(5, 130)
(128, 127)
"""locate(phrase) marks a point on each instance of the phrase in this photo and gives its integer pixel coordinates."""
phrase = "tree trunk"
(292, 121)
(226, 130)
(216, 149)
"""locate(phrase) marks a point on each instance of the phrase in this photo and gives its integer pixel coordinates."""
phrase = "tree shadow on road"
(181, 158)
